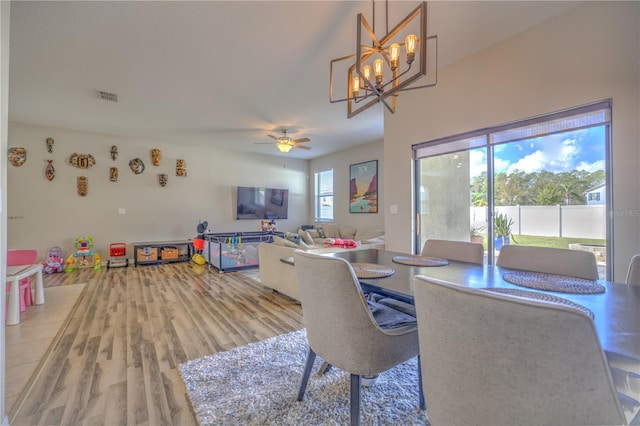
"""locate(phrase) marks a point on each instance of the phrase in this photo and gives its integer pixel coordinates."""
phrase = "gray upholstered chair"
(460, 251)
(494, 359)
(341, 327)
(571, 263)
(633, 275)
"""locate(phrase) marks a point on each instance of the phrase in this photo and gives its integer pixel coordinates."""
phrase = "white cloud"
(533, 162)
(477, 162)
(591, 167)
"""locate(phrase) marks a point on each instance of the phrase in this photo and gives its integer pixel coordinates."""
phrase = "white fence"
(583, 221)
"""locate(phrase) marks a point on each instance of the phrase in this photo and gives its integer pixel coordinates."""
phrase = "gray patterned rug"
(257, 384)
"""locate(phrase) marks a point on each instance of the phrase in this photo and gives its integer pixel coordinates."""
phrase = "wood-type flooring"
(116, 362)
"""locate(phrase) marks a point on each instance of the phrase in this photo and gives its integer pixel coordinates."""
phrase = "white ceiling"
(225, 73)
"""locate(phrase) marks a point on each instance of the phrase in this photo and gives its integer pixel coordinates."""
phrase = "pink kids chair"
(23, 257)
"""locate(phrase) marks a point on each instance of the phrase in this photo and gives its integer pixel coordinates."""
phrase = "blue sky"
(579, 149)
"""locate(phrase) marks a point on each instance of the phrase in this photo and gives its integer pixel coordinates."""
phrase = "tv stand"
(156, 252)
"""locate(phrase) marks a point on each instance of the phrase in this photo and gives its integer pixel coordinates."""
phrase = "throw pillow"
(292, 237)
(347, 232)
(283, 242)
(331, 230)
(304, 235)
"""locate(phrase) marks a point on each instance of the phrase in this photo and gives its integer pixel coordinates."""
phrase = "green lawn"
(558, 242)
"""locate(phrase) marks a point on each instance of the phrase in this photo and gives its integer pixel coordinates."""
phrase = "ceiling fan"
(284, 143)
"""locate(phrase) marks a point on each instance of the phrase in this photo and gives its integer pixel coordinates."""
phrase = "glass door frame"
(470, 140)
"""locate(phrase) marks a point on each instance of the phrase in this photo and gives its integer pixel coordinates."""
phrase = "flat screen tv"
(261, 203)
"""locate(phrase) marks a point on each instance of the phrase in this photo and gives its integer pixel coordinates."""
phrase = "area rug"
(257, 384)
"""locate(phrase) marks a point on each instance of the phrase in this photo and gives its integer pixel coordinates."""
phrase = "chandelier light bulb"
(410, 44)
(366, 70)
(377, 71)
(394, 56)
(355, 85)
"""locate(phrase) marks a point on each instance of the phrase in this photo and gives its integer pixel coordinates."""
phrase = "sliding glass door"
(542, 181)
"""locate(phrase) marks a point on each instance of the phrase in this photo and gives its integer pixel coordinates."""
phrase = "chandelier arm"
(358, 99)
(396, 78)
(391, 110)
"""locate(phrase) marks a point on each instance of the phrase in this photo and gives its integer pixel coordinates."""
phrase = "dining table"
(14, 274)
(614, 307)
(616, 311)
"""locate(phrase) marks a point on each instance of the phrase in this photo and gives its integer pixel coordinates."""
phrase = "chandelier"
(388, 65)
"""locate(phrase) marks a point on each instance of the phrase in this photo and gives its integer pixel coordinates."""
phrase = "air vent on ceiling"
(106, 96)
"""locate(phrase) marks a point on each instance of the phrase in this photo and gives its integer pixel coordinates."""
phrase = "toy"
(118, 255)
(54, 261)
(198, 241)
(97, 262)
(268, 225)
(84, 255)
(70, 264)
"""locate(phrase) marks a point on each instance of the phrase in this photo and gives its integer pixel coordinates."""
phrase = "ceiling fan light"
(284, 147)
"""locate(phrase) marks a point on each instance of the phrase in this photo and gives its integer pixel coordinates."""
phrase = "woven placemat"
(541, 296)
(420, 261)
(371, 270)
(552, 282)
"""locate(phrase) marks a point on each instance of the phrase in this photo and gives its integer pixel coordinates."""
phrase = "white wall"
(588, 54)
(340, 163)
(42, 214)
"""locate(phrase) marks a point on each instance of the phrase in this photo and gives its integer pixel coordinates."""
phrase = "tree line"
(538, 189)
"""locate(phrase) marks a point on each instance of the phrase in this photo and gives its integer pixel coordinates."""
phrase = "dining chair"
(346, 330)
(497, 359)
(558, 261)
(23, 257)
(461, 251)
(633, 275)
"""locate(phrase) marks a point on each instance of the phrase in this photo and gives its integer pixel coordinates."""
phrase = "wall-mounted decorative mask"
(83, 186)
(49, 171)
(136, 165)
(113, 174)
(114, 152)
(17, 156)
(156, 157)
(162, 179)
(181, 168)
(82, 161)
(49, 143)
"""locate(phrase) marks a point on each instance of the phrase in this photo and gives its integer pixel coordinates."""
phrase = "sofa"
(281, 277)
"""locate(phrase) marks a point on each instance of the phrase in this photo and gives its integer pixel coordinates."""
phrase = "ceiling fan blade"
(271, 136)
(302, 147)
(302, 140)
